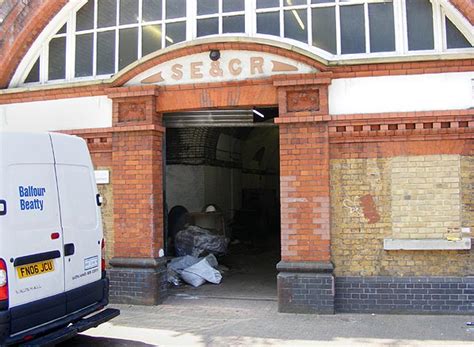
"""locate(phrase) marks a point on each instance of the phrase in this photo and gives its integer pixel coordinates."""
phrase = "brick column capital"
(134, 106)
(304, 99)
(132, 91)
(320, 78)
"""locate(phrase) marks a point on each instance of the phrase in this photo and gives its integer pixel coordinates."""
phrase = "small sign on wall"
(102, 176)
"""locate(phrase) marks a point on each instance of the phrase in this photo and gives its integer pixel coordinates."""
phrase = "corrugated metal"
(211, 118)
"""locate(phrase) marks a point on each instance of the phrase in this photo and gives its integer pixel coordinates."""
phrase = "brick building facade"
(376, 195)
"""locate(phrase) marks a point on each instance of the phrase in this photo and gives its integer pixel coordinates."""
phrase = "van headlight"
(3, 278)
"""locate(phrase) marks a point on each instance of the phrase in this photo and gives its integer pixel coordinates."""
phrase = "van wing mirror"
(3, 207)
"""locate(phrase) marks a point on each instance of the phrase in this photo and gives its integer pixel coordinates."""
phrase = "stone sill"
(425, 244)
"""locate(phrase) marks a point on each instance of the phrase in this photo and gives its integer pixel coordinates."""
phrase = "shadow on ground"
(84, 340)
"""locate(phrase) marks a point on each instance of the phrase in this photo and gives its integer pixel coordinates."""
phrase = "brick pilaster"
(138, 185)
(304, 185)
(305, 280)
(137, 175)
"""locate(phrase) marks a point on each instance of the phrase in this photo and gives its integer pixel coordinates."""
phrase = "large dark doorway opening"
(222, 174)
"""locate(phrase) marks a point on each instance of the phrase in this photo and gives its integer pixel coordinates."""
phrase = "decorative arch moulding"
(231, 62)
(42, 23)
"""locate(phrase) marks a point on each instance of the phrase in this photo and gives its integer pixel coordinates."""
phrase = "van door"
(80, 213)
(30, 231)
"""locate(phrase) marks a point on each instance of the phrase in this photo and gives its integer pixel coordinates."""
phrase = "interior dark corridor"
(226, 180)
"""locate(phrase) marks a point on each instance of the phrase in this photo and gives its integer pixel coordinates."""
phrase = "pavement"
(243, 311)
(198, 320)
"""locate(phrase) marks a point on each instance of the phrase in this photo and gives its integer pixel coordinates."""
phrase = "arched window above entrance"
(97, 38)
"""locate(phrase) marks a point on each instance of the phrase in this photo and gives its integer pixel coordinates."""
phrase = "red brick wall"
(137, 172)
(466, 7)
(308, 138)
(138, 193)
(304, 189)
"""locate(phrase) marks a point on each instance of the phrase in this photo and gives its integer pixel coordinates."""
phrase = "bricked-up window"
(102, 37)
(425, 196)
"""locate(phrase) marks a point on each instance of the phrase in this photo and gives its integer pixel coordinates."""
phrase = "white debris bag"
(177, 265)
(201, 272)
(181, 263)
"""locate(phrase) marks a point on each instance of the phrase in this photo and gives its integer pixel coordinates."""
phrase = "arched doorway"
(229, 160)
(151, 106)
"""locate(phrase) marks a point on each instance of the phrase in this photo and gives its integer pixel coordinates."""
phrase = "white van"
(52, 268)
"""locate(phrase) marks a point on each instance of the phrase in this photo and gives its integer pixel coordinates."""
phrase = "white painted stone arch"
(67, 15)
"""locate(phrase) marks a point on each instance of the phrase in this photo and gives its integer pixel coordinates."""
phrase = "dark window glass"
(233, 5)
(268, 3)
(209, 26)
(324, 28)
(175, 8)
(420, 25)
(233, 24)
(128, 43)
(84, 51)
(106, 13)
(268, 23)
(454, 38)
(293, 2)
(128, 11)
(296, 26)
(62, 30)
(57, 59)
(151, 38)
(106, 52)
(382, 27)
(175, 32)
(321, 1)
(207, 7)
(33, 76)
(85, 17)
(352, 29)
(152, 10)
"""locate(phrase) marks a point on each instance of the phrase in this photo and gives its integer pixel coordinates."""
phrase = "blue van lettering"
(36, 204)
(31, 191)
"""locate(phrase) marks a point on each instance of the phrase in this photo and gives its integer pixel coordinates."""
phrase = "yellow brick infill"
(107, 209)
(425, 196)
(357, 241)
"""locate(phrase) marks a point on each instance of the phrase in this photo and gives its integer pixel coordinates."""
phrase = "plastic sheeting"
(196, 241)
